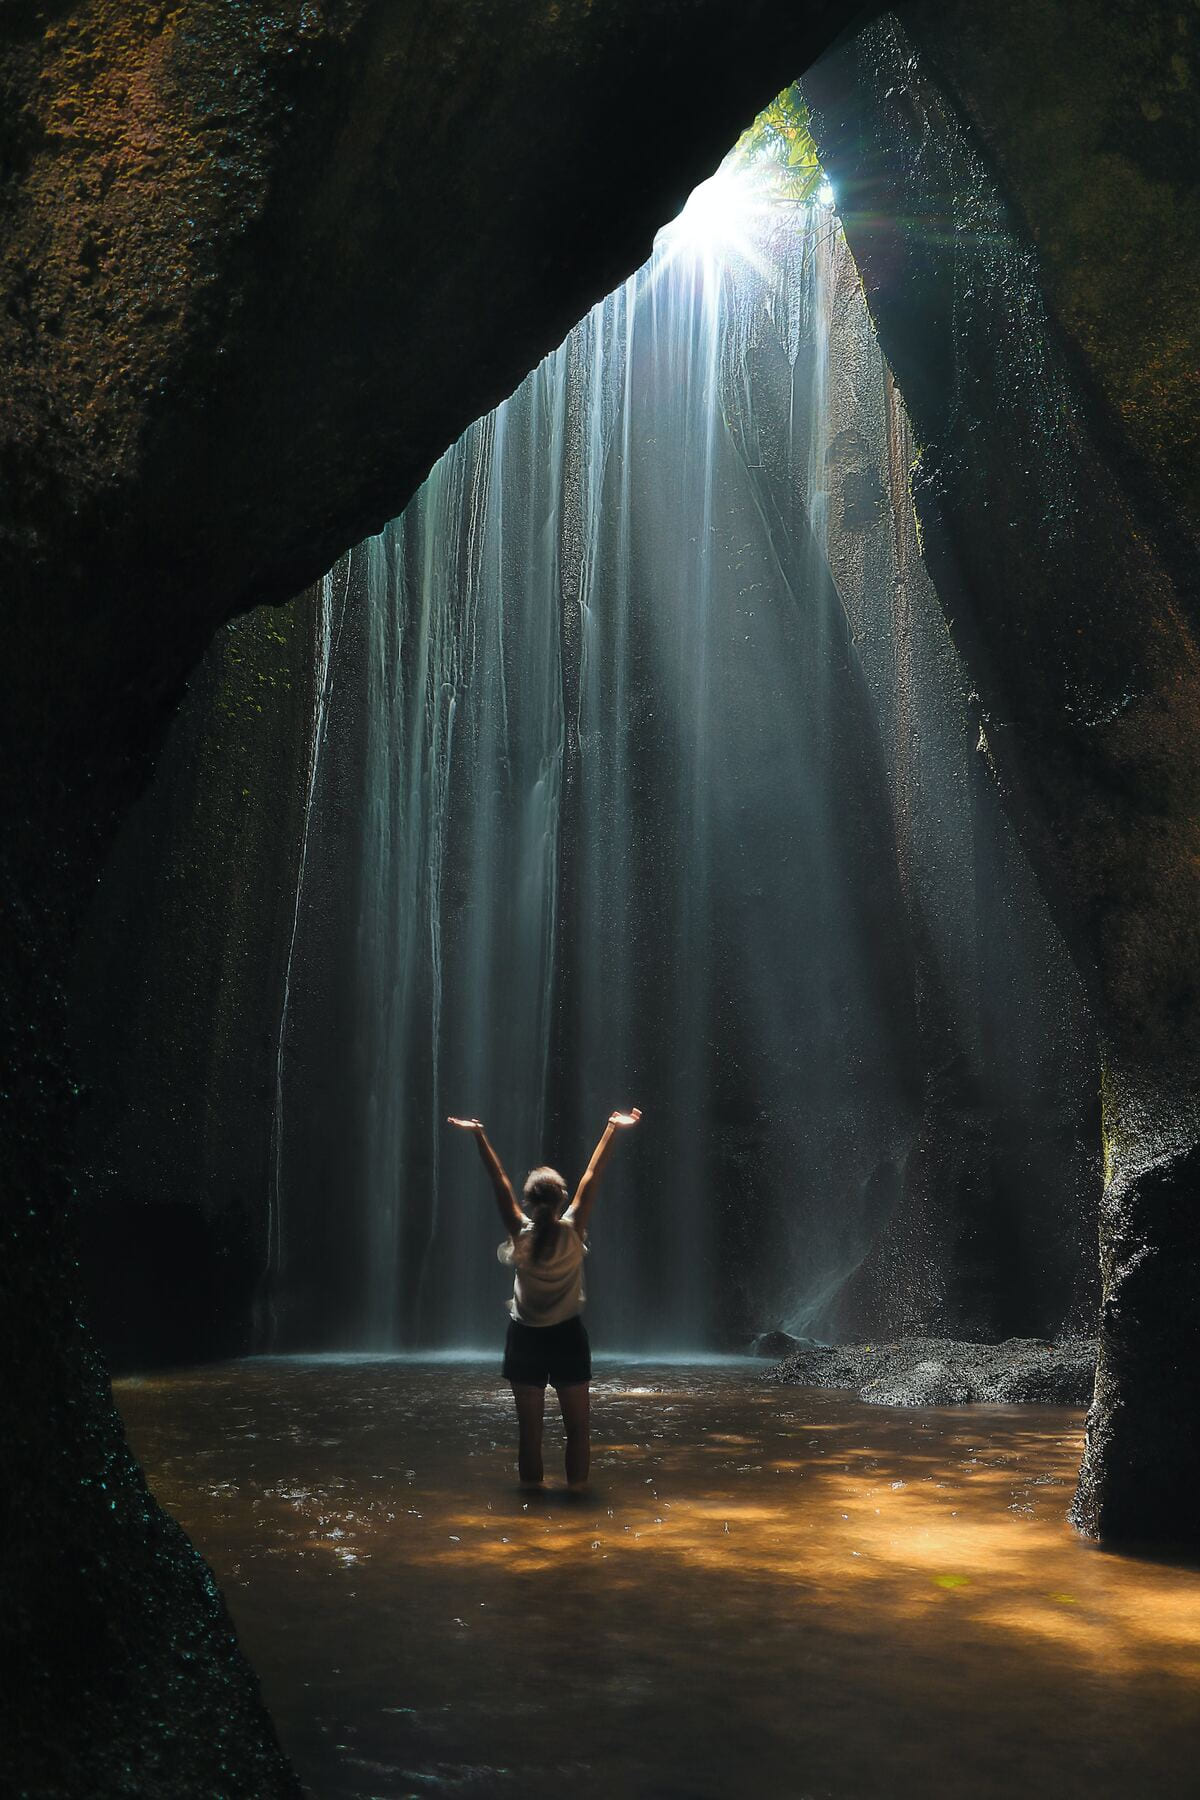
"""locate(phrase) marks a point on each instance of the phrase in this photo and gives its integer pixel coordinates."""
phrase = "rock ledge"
(943, 1372)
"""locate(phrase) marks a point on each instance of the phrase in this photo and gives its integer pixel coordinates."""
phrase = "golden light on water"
(848, 1589)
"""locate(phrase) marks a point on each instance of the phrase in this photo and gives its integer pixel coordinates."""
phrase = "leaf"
(779, 149)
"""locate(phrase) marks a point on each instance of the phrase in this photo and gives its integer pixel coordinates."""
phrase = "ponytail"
(544, 1221)
(544, 1193)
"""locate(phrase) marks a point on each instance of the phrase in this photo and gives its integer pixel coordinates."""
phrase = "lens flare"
(717, 225)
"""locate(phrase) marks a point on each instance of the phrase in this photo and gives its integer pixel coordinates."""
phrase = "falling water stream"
(626, 837)
(660, 794)
(330, 619)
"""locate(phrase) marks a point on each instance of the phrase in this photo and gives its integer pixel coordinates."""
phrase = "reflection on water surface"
(770, 1591)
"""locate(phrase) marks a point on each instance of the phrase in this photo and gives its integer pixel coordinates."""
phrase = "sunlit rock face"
(1070, 584)
(990, 1229)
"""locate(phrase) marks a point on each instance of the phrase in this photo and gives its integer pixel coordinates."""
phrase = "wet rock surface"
(1141, 1469)
(943, 1372)
(1131, 320)
(1069, 577)
(785, 1343)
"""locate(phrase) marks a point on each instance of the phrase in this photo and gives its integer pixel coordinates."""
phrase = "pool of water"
(770, 1592)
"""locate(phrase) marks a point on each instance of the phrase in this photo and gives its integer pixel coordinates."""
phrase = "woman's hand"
(581, 1206)
(506, 1200)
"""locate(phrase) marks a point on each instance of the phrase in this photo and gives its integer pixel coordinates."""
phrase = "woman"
(546, 1340)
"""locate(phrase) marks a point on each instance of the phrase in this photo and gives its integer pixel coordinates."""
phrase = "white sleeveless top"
(549, 1291)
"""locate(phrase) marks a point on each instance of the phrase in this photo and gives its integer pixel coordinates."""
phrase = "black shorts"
(558, 1354)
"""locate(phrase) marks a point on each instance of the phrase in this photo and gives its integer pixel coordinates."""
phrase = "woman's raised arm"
(585, 1193)
(513, 1218)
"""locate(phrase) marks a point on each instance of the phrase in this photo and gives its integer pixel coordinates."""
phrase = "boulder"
(929, 1383)
(777, 1344)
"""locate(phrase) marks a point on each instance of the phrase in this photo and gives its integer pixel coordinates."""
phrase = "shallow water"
(770, 1592)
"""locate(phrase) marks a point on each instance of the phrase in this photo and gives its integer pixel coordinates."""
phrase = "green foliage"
(779, 149)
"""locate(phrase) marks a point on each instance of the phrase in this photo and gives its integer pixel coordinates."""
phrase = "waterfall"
(464, 773)
(325, 639)
(625, 826)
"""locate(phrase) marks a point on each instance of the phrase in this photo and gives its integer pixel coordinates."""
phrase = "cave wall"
(216, 1007)
(1090, 119)
(991, 1232)
(178, 986)
(1069, 582)
(135, 1195)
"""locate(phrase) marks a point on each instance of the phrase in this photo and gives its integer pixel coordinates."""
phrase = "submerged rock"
(942, 1372)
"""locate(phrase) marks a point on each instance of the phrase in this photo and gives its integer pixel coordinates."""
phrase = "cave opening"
(635, 763)
(638, 764)
(260, 1059)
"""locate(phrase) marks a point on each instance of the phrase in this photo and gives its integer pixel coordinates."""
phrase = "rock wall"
(1070, 583)
(178, 981)
(1090, 119)
(992, 1228)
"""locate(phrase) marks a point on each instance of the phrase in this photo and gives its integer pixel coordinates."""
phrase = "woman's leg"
(576, 1410)
(531, 1407)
